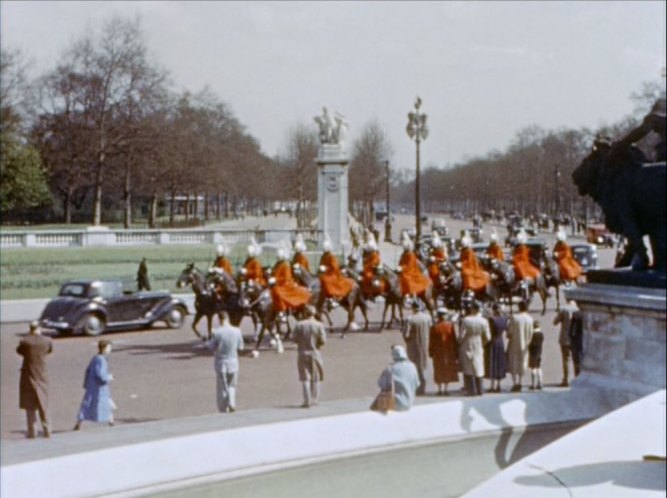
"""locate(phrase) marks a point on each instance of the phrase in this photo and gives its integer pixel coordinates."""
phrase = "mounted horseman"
(335, 287)
(415, 284)
(287, 296)
(475, 279)
(437, 257)
(222, 259)
(494, 251)
(371, 286)
(299, 257)
(570, 270)
(527, 273)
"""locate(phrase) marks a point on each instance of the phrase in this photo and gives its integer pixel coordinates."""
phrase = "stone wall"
(624, 339)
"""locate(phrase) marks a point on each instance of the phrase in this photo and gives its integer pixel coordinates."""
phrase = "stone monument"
(332, 184)
(623, 309)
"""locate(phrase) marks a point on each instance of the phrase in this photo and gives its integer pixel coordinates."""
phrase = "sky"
(484, 70)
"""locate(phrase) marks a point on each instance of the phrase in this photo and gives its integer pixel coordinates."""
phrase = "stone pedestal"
(98, 236)
(332, 194)
(624, 340)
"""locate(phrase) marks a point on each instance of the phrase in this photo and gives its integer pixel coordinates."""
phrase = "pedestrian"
(404, 376)
(519, 334)
(97, 405)
(415, 332)
(576, 333)
(34, 381)
(474, 334)
(310, 335)
(143, 283)
(497, 357)
(226, 343)
(535, 357)
(564, 318)
(443, 350)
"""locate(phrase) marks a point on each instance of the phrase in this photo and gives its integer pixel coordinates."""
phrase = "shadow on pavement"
(629, 474)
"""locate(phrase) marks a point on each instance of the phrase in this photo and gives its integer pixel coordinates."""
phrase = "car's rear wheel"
(92, 324)
(175, 317)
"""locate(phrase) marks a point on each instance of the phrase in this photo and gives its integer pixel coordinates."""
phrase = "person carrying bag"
(398, 383)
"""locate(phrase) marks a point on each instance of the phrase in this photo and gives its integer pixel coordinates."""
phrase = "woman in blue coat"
(97, 405)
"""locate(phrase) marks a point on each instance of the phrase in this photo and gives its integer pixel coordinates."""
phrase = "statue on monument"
(332, 129)
(631, 190)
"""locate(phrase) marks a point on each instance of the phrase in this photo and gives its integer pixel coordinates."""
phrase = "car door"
(119, 308)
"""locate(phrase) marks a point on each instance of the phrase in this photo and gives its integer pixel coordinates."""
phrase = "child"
(535, 356)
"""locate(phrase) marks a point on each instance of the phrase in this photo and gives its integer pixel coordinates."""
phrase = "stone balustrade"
(103, 236)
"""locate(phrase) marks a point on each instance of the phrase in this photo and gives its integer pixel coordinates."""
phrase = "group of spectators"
(480, 347)
(472, 345)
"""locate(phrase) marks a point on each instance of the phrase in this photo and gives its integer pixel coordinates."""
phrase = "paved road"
(160, 374)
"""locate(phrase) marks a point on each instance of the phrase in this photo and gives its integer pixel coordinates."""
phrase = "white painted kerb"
(122, 469)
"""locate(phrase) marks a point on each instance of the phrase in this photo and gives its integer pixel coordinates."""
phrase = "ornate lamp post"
(417, 130)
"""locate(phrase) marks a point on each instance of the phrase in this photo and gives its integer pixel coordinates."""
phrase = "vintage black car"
(586, 255)
(95, 306)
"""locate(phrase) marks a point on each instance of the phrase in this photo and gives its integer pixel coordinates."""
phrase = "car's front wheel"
(175, 318)
(92, 324)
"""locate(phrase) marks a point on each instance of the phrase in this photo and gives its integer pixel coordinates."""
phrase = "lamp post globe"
(417, 130)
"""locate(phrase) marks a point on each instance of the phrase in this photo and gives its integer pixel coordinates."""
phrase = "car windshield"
(580, 250)
(73, 290)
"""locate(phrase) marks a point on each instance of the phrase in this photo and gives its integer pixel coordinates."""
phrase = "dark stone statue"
(630, 190)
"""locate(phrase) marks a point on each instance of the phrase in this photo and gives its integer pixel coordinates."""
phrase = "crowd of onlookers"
(473, 345)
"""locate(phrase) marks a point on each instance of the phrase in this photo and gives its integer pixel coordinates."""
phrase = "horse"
(206, 299)
(394, 296)
(230, 297)
(350, 302)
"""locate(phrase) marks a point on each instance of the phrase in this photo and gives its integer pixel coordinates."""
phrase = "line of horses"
(216, 290)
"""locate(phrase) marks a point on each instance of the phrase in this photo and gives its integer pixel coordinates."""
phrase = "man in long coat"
(143, 282)
(475, 332)
(334, 284)
(285, 292)
(34, 381)
(310, 335)
(416, 333)
(568, 266)
(520, 332)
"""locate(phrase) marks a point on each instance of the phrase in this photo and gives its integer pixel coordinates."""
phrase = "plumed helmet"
(522, 237)
(281, 254)
(466, 241)
(436, 241)
(407, 244)
(299, 244)
(561, 236)
(252, 250)
(494, 236)
(326, 244)
(221, 250)
(371, 244)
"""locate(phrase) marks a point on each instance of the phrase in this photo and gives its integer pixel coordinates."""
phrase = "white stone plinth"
(98, 236)
(332, 194)
(624, 339)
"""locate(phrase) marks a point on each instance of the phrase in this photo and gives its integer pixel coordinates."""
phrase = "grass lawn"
(39, 273)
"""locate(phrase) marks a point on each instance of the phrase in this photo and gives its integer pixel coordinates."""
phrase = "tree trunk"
(172, 206)
(152, 213)
(226, 205)
(206, 207)
(218, 201)
(97, 200)
(196, 213)
(67, 206)
(128, 196)
(187, 207)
